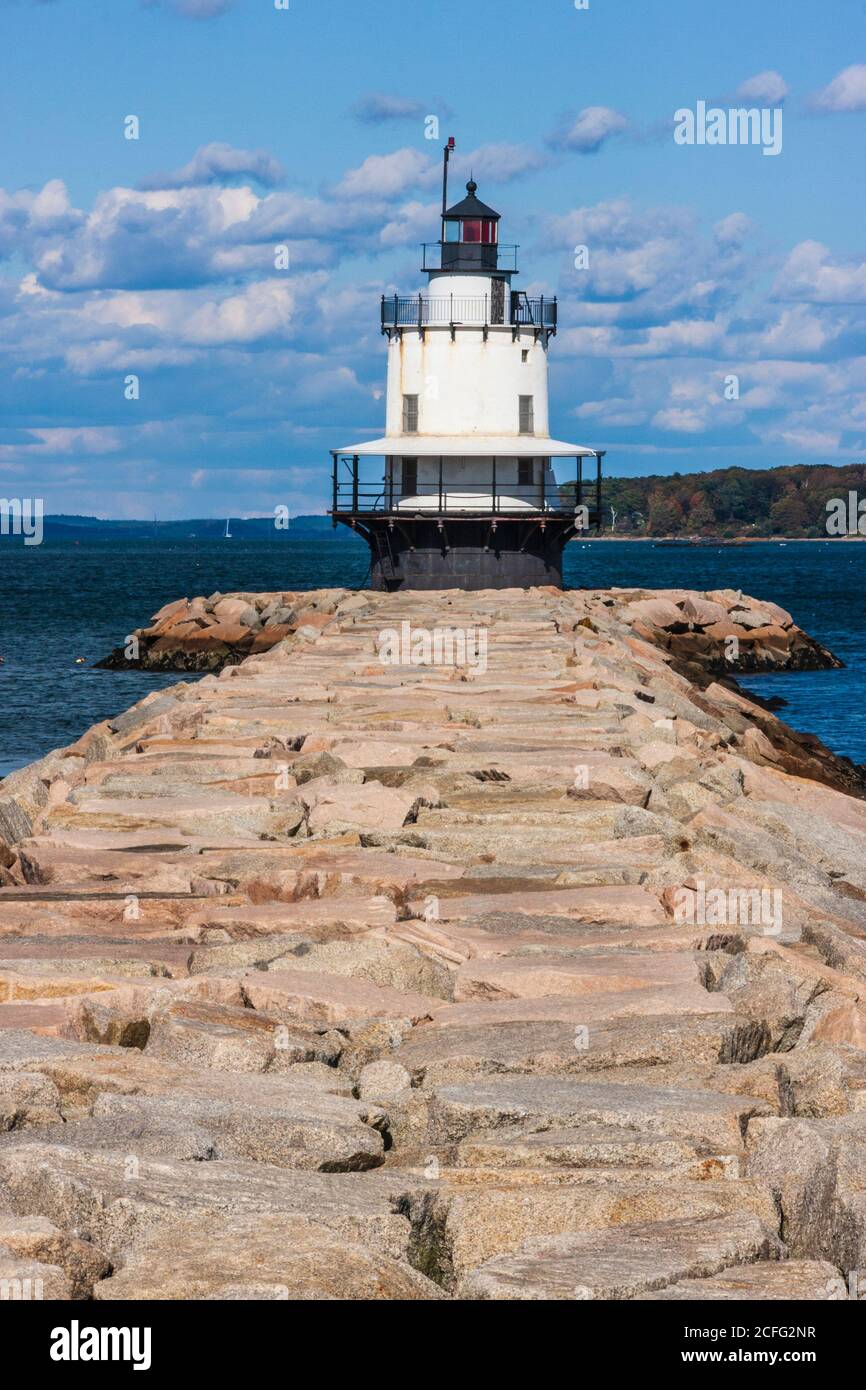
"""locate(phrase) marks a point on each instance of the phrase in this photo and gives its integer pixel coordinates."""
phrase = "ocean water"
(61, 601)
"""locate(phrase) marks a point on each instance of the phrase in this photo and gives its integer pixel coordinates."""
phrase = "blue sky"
(306, 127)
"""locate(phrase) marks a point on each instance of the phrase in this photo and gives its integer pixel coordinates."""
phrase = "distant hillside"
(727, 503)
(730, 502)
(90, 528)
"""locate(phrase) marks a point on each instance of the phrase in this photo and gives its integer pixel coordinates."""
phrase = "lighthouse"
(466, 488)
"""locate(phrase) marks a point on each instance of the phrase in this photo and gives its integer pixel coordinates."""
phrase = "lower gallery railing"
(352, 495)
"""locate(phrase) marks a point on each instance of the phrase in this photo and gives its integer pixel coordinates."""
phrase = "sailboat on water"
(227, 535)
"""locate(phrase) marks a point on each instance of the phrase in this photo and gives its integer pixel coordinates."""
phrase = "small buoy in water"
(79, 661)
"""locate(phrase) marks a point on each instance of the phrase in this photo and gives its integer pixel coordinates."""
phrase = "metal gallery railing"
(396, 494)
(455, 310)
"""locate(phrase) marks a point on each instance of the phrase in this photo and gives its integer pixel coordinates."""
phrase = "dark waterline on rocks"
(60, 601)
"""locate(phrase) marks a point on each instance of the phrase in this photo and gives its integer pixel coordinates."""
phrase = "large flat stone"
(623, 1263)
(779, 1280)
(312, 995)
(541, 1102)
(436, 1055)
(469, 1222)
(276, 1256)
(544, 976)
(115, 1199)
(275, 1117)
(224, 1037)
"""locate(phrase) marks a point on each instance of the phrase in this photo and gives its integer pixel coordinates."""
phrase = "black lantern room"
(470, 235)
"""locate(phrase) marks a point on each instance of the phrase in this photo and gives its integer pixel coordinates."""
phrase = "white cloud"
(681, 421)
(297, 215)
(733, 230)
(586, 132)
(133, 238)
(377, 108)
(183, 237)
(626, 271)
(500, 163)
(192, 9)
(66, 440)
(649, 267)
(615, 411)
(685, 336)
(384, 175)
(260, 311)
(217, 163)
(682, 338)
(24, 215)
(847, 91)
(767, 88)
(410, 224)
(797, 331)
(811, 273)
(617, 223)
(804, 440)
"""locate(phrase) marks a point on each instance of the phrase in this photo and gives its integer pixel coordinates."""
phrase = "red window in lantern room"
(480, 230)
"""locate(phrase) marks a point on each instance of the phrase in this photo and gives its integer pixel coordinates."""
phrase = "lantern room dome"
(470, 206)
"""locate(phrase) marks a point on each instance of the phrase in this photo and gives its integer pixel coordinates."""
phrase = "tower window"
(410, 477)
(524, 472)
(527, 415)
(410, 414)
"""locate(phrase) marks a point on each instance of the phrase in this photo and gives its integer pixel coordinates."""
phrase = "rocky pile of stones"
(338, 975)
(715, 633)
(205, 634)
(723, 631)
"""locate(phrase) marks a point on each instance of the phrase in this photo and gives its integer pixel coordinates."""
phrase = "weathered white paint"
(471, 479)
(467, 502)
(443, 282)
(466, 385)
(472, 289)
(454, 445)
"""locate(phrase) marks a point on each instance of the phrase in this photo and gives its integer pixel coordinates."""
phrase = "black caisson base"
(470, 553)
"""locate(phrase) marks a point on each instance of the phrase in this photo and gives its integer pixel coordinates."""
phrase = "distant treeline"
(730, 502)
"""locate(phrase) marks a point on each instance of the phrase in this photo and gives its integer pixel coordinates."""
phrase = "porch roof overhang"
(467, 446)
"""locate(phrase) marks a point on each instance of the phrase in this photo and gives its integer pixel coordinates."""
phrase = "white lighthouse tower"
(472, 492)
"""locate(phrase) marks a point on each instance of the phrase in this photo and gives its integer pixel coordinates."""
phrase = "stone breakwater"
(710, 634)
(536, 977)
